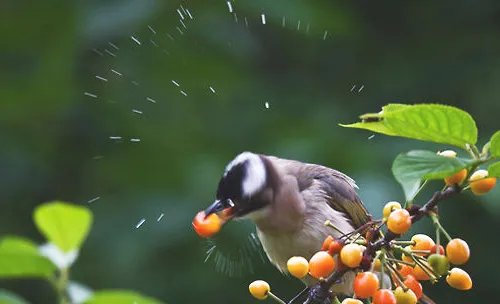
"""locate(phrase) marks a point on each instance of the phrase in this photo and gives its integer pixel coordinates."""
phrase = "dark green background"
(55, 140)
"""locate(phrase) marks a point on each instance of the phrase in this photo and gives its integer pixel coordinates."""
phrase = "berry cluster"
(390, 270)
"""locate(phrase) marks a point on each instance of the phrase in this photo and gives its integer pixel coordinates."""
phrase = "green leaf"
(412, 167)
(495, 144)
(19, 243)
(19, 258)
(427, 122)
(494, 170)
(120, 297)
(63, 224)
(8, 297)
(375, 126)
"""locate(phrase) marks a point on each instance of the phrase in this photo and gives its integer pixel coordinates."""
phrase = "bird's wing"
(340, 191)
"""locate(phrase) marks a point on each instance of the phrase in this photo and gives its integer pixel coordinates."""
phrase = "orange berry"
(457, 251)
(384, 296)
(298, 266)
(412, 283)
(480, 183)
(422, 242)
(420, 274)
(405, 297)
(335, 247)
(321, 264)
(389, 207)
(459, 279)
(351, 301)
(259, 289)
(406, 270)
(456, 178)
(399, 221)
(365, 284)
(326, 243)
(206, 226)
(351, 255)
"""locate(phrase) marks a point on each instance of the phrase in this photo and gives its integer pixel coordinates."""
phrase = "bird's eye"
(229, 203)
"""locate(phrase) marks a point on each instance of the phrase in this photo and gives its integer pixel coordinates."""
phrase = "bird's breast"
(307, 239)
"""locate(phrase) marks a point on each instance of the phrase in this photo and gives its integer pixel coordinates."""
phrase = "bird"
(289, 202)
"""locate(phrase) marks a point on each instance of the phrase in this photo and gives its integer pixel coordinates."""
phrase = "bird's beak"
(226, 208)
(216, 207)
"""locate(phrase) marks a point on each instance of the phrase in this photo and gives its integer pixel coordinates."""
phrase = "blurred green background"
(57, 116)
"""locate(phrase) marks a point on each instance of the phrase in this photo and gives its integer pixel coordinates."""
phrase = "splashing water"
(235, 260)
(228, 258)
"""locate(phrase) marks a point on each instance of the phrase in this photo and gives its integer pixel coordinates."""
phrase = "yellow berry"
(259, 289)
(351, 301)
(405, 297)
(389, 207)
(351, 255)
(298, 266)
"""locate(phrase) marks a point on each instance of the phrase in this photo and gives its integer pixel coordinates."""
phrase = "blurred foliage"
(56, 140)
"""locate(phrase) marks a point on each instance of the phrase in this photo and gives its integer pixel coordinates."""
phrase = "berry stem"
(276, 298)
(438, 225)
(428, 271)
(401, 262)
(397, 276)
(438, 240)
(329, 224)
(377, 257)
(382, 263)
(403, 243)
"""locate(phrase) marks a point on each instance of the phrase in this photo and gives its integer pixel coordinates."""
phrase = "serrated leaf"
(119, 297)
(495, 144)
(494, 170)
(434, 122)
(19, 258)
(427, 122)
(63, 224)
(8, 297)
(375, 126)
(412, 167)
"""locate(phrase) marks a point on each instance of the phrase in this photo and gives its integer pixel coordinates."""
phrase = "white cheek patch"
(255, 172)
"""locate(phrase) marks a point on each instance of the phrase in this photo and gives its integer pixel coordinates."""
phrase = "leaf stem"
(409, 203)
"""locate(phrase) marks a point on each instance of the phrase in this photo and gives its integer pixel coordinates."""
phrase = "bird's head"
(242, 186)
